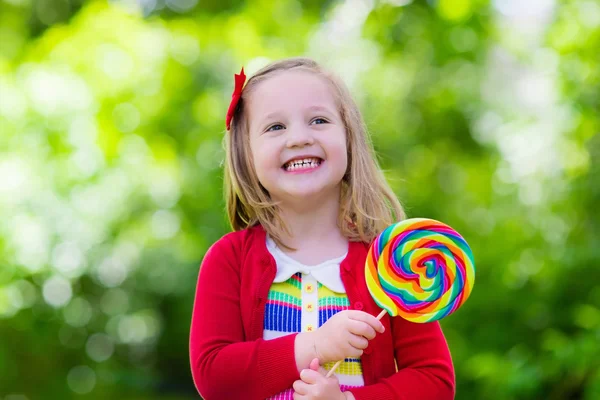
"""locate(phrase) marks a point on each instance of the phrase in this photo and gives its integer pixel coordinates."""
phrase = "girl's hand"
(346, 334)
(313, 385)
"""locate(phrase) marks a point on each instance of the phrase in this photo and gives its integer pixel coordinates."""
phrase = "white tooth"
(304, 163)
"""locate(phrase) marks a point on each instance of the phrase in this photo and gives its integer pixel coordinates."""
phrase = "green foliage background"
(485, 116)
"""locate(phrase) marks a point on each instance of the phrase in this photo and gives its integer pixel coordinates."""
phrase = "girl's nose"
(299, 137)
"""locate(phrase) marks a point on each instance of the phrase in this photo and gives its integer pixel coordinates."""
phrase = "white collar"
(326, 273)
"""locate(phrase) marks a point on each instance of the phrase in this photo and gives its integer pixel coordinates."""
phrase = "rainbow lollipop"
(420, 269)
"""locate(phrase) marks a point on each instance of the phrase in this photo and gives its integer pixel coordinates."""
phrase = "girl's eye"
(275, 127)
(320, 121)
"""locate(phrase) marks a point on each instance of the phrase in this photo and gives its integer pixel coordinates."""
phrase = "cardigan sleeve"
(224, 365)
(425, 370)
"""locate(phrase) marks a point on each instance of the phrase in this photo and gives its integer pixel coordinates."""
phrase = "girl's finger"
(297, 396)
(362, 329)
(367, 318)
(353, 352)
(309, 376)
(358, 342)
(314, 364)
(300, 387)
(350, 348)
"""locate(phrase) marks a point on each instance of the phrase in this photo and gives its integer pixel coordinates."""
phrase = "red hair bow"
(240, 79)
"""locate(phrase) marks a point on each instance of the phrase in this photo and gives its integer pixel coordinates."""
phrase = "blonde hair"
(367, 203)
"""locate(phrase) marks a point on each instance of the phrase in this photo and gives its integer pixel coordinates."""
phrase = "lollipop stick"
(332, 370)
(337, 364)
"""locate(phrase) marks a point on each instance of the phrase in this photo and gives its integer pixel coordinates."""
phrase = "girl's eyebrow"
(267, 119)
(270, 116)
(319, 108)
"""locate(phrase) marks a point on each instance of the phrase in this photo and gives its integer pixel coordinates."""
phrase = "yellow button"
(309, 328)
(309, 288)
(310, 307)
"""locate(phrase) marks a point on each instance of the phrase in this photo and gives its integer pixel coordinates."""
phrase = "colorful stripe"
(283, 315)
(289, 393)
(328, 307)
(420, 269)
(350, 366)
(283, 311)
(330, 303)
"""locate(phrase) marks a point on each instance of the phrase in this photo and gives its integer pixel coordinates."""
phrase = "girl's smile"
(302, 164)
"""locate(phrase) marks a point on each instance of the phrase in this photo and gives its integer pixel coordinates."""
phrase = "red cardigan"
(230, 360)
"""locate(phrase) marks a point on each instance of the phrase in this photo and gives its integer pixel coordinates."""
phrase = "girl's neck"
(314, 231)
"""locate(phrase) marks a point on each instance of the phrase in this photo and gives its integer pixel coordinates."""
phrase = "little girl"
(283, 297)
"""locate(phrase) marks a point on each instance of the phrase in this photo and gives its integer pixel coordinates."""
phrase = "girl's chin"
(309, 193)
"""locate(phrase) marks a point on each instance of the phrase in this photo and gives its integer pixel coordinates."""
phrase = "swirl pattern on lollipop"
(420, 269)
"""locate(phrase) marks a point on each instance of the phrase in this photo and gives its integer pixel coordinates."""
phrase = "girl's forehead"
(292, 89)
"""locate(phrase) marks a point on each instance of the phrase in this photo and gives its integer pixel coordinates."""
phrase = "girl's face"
(297, 137)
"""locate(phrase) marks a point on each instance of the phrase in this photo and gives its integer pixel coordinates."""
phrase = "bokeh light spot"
(57, 291)
(81, 379)
(99, 347)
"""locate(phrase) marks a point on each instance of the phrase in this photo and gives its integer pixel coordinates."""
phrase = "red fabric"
(230, 360)
(240, 79)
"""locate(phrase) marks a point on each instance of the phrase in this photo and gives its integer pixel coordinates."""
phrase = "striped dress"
(301, 299)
